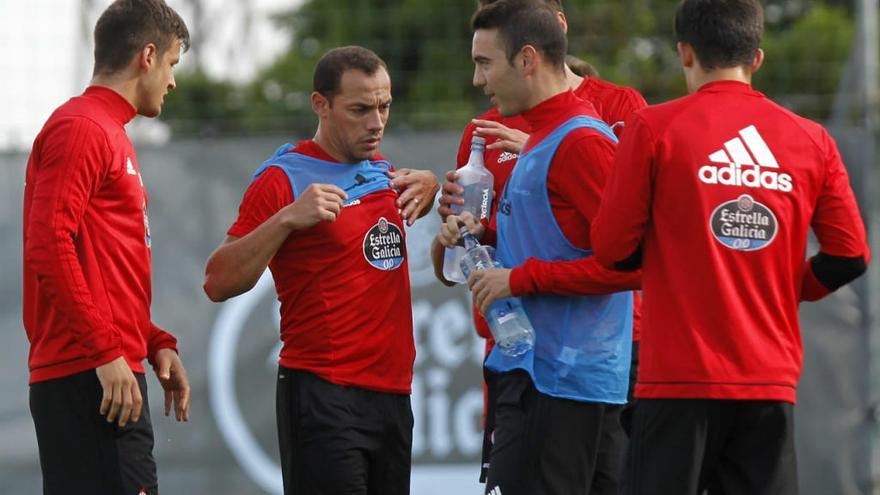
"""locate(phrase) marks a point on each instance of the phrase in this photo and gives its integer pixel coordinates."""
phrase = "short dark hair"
(555, 4)
(723, 33)
(334, 63)
(524, 22)
(129, 25)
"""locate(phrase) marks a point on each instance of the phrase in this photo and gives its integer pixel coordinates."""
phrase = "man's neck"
(700, 78)
(125, 86)
(326, 145)
(574, 80)
(546, 85)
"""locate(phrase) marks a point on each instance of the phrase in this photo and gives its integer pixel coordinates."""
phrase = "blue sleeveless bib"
(357, 180)
(582, 343)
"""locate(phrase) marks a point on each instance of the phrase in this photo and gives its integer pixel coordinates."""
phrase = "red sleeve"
(811, 288)
(836, 221)
(583, 277)
(464, 147)
(159, 339)
(627, 102)
(575, 181)
(266, 195)
(73, 161)
(623, 216)
(631, 102)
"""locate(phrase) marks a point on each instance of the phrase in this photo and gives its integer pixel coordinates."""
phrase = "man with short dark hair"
(505, 137)
(551, 402)
(713, 195)
(87, 277)
(328, 218)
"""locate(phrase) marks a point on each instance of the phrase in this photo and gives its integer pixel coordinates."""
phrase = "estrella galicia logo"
(744, 224)
(384, 246)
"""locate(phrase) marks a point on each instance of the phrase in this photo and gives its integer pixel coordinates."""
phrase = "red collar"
(118, 107)
(727, 86)
(546, 116)
(557, 109)
(312, 149)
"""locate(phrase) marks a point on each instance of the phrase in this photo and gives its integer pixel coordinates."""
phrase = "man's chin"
(368, 156)
(368, 153)
(507, 111)
(150, 112)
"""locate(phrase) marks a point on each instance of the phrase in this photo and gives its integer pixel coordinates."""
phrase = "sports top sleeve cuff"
(105, 357)
(521, 281)
(158, 341)
(811, 288)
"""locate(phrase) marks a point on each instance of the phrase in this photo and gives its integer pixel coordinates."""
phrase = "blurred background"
(243, 89)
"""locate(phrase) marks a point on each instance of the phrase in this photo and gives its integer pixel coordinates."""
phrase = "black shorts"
(80, 452)
(547, 445)
(342, 440)
(721, 446)
(489, 378)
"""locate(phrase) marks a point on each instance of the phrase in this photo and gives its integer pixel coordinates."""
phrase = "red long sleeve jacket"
(87, 275)
(719, 190)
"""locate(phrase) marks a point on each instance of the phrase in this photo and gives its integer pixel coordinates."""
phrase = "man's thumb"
(164, 371)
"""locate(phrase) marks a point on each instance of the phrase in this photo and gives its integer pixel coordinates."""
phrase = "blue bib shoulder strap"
(577, 122)
(356, 179)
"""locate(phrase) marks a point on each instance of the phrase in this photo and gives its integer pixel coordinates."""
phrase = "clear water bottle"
(511, 328)
(477, 183)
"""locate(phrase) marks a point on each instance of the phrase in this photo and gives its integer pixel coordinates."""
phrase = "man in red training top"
(87, 276)
(505, 137)
(713, 194)
(327, 219)
(552, 402)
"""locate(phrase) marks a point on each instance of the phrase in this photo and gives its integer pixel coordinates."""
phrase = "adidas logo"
(129, 167)
(507, 156)
(745, 161)
(494, 491)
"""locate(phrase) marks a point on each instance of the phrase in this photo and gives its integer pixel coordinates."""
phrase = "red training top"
(341, 318)
(575, 183)
(611, 102)
(87, 287)
(720, 188)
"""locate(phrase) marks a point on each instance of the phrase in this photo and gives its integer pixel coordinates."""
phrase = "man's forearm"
(582, 277)
(237, 264)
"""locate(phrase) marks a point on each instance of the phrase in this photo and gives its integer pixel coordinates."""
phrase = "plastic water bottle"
(477, 183)
(511, 328)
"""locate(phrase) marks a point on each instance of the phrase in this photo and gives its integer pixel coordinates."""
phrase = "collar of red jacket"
(557, 109)
(727, 86)
(118, 107)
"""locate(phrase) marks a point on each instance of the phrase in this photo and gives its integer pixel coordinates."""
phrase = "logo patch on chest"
(507, 156)
(744, 224)
(383, 246)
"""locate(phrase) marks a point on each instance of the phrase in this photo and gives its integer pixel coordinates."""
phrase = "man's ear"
(527, 60)
(148, 56)
(320, 104)
(686, 54)
(562, 21)
(758, 61)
